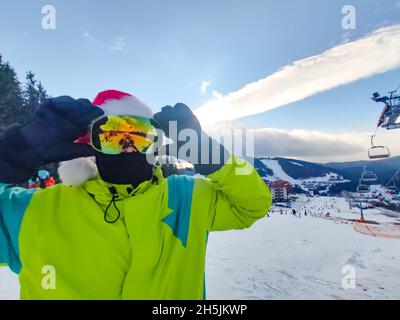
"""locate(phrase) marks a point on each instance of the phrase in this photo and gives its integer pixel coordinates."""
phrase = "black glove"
(185, 119)
(48, 137)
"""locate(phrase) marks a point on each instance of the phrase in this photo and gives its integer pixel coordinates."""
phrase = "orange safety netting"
(378, 231)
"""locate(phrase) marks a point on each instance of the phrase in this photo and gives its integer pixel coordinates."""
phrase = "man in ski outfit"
(115, 228)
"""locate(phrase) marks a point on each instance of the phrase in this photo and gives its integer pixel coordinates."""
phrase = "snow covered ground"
(9, 287)
(287, 257)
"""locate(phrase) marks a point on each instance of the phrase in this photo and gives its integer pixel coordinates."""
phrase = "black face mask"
(126, 168)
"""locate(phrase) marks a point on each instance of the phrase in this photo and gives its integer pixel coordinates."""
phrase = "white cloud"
(87, 35)
(313, 146)
(119, 44)
(217, 95)
(204, 86)
(345, 63)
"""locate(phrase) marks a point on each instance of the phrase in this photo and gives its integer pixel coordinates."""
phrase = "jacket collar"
(102, 191)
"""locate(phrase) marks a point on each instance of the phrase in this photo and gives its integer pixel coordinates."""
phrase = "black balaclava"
(125, 168)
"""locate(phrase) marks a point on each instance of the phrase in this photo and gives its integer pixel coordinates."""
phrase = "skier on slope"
(115, 228)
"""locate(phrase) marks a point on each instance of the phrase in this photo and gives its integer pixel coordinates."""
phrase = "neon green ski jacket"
(58, 242)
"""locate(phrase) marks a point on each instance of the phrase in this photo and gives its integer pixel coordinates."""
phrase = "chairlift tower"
(394, 181)
(367, 177)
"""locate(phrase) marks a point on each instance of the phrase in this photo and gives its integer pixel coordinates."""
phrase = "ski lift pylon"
(394, 181)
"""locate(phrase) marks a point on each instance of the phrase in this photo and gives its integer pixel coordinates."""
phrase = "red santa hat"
(114, 102)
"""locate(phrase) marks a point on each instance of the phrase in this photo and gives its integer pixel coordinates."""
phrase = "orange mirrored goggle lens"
(123, 134)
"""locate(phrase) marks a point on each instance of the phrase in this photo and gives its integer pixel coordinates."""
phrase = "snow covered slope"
(278, 172)
(286, 257)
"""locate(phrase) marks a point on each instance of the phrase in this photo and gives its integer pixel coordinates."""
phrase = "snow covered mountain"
(302, 174)
(333, 176)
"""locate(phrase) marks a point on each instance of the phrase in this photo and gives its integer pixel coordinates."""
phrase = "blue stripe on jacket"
(13, 204)
(180, 192)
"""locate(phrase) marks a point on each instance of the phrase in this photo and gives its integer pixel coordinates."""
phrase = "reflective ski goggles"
(123, 134)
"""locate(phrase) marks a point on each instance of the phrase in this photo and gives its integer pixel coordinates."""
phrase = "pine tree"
(42, 93)
(11, 102)
(31, 93)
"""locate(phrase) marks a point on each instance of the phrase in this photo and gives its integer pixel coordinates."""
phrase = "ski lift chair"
(370, 177)
(363, 188)
(378, 152)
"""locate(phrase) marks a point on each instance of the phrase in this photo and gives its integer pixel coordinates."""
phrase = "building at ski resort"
(280, 190)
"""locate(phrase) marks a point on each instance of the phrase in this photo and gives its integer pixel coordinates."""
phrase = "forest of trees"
(18, 101)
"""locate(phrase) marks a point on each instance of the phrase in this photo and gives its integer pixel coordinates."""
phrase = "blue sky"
(162, 51)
